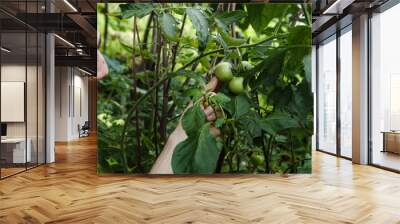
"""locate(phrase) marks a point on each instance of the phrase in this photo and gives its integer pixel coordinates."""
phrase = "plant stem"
(157, 73)
(135, 94)
(220, 162)
(147, 30)
(306, 14)
(105, 28)
(165, 112)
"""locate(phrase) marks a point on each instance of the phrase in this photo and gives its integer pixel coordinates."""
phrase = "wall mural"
(204, 88)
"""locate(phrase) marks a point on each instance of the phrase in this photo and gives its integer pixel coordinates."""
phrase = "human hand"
(209, 111)
(163, 162)
(102, 68)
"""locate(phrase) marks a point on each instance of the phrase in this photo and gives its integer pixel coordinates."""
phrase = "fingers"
(215, 131)
(212, 84)
(102, 69)
(210, 114)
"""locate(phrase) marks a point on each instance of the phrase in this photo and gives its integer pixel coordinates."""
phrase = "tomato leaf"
(241, 105)
(220, 99)
(263, 14)
(219, 122)
(169, 26)
(135, 9)
(307, 67)
(278, 121)
(193, 119)
(200, 23)
(224, 19)
(196, 154)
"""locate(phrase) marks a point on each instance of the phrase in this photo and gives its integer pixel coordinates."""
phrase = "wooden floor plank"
(70, 191)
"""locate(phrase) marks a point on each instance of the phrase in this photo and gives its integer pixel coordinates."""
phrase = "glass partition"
(346, 92)
(22, 88)
(327, 95)
(385, 89)
(13, 94)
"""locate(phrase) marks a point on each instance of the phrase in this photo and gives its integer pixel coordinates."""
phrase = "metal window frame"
(44, 76)
(339, 32)
(381, 9)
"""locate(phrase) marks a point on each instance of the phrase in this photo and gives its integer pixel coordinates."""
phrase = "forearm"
(163, 162)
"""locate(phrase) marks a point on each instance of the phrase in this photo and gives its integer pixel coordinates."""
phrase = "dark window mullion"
(338, 91)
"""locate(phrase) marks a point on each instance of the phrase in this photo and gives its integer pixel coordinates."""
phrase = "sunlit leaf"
(200, 23)
(169, 26)
(135, 9)
(223, 19)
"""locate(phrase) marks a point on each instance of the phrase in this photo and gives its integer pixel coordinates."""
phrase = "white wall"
(71, 102)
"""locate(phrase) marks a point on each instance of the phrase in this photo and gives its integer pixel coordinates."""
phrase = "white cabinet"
(18, 145)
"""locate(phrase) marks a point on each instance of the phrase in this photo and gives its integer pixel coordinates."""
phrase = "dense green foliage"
(160, 57)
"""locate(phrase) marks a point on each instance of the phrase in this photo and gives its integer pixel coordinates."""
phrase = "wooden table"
(391, 141)
(13, 150)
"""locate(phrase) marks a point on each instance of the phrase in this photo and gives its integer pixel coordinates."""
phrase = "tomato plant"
(160, 58)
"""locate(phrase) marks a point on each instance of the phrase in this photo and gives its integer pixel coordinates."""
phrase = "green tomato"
(223, 71)
(256, 159)
(246, 65)
(236, 85)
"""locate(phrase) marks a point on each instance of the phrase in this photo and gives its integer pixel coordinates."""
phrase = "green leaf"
(112, 162)
(263, 14)
(307, 67)
(251, 124)
(219, 122)
(241, 105)
(197, 154)
(195, 93)
(169, 26)
(193, 119)
(222, 42)
(270, 69)
(278, 121)
(220, 99)
(224, 19)
(231, 41)
(301, 36)
(135, 9)
(200, 23)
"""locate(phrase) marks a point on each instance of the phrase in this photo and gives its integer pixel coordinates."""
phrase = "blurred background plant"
(160, 56)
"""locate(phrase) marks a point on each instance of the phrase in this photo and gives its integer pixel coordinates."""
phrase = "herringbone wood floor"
(70, 191)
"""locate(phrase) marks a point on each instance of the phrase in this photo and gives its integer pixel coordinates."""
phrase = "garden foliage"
(161, 56)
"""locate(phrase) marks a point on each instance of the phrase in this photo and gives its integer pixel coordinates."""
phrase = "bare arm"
(163, 163)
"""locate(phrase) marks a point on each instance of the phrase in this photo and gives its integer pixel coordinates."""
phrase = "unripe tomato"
(256, 159)
(223, 71)
(236, 85)
(246, 65)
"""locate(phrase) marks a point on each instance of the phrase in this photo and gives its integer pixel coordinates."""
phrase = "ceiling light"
(337, 7)
(65, 41)
(5, 50)
(84, 71)
(70, 5)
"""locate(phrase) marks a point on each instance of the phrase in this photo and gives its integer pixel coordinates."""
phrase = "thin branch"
(135, 94)
(165, 111)
(147, 30)
(306, 14)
